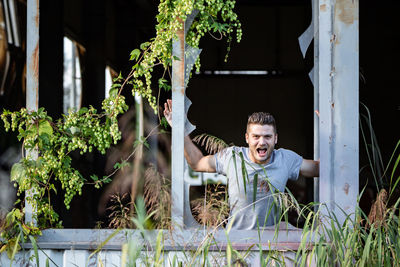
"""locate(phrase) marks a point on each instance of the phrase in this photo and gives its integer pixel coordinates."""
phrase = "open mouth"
(262, 152)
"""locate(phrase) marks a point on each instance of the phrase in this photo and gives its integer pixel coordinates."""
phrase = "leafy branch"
(87, 129)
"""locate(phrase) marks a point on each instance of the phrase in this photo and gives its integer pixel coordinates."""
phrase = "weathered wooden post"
(178, 122)
(338, 105)
(32, 77)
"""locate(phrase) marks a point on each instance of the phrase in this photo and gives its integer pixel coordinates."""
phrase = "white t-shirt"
(246, 207)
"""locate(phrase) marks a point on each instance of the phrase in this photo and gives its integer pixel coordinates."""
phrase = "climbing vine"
(49, 143)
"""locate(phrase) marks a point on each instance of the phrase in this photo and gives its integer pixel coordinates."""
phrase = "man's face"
(261, 140)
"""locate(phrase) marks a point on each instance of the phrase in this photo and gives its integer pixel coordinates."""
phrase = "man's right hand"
(193, 155)
(168, 111)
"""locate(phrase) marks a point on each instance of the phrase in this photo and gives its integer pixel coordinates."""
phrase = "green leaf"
(113, 92)
(119, 78)
(52, 187)
(94, 177)
(176, 58)
(144, 142)
(121, 165)
(41, 111)
(83, 111)
(162, 83)
(106, 179)
(44, 140)
(114, 89)
(164, 122)
(22, 134)
(135, 66)
(45, 128)
(18, 172)
(12, 248)
(167, 87)
(35, 249)
(116, 85)
(144, 45)
(117, 165)
(135, 54)
(168, 61)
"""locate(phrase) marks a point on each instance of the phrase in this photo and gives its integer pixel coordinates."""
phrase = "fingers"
(169, 101)
(167, 107)
(168, 111)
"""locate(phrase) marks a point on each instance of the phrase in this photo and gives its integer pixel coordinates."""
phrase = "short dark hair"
(261, 118)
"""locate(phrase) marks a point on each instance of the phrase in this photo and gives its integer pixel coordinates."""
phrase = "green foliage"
(49, 143)
(14, 231)
(213, 16)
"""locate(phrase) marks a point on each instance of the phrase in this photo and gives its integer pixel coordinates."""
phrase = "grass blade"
(255, 185)
(100, 247)
(244, 172)
(35, 249)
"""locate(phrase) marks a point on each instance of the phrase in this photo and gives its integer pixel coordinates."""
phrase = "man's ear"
(247, 137)
(276, 138)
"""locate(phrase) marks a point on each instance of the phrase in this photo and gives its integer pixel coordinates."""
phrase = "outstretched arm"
(196, 160)
(309, 168)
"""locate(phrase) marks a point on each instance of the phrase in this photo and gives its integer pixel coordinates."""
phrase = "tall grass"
(362, 239)
(326, 241)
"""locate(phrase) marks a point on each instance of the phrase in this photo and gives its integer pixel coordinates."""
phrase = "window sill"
(288, 238)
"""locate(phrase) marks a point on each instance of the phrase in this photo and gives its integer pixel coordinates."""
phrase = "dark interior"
(110, 29)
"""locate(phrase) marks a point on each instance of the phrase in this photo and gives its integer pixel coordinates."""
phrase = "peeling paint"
(346, 188)
(333, 38)
(37, 14)
(181, 70)
(322, 8)
(35, 62)
(332, 73)
(347, 11)
(178, 68)
(34, 70)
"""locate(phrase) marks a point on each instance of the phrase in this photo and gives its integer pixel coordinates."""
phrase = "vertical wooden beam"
(178, 122)
(339, 101)
(32, 76)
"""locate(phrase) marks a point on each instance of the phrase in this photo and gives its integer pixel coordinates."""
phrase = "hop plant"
(51, 142)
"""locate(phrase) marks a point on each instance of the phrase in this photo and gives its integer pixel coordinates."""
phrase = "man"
(259, 166)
